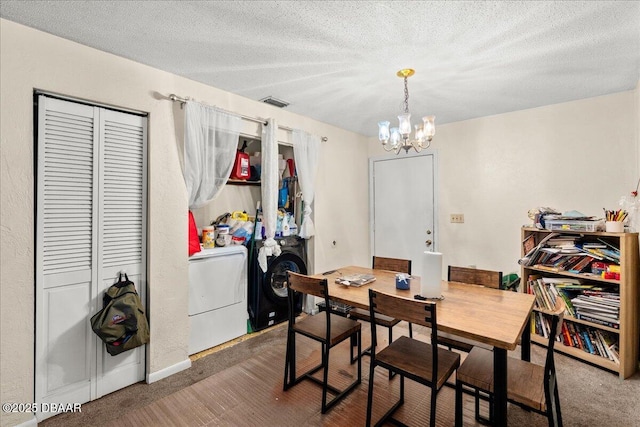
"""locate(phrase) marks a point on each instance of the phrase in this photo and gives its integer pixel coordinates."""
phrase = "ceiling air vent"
(275, 102)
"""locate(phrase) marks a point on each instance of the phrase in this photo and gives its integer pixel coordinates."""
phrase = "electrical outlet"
(457, 218)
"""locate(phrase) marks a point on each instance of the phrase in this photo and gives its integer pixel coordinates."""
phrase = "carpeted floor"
(241, 385)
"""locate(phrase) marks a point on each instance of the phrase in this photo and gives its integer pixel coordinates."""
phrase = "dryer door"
(274, 287)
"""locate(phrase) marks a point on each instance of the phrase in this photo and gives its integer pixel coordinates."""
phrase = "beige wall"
(580, 155)
(31, 59)
(637, 118)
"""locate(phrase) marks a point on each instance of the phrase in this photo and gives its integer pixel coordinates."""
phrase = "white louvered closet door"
(90, 224)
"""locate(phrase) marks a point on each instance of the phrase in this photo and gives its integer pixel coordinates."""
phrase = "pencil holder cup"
(403, 281)
(614, 226)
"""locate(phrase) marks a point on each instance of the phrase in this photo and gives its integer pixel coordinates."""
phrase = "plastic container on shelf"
(208, 237)
(568, 225)
(223, 238)
(293, 227)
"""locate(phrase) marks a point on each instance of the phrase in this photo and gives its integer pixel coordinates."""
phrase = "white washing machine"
(217, 296)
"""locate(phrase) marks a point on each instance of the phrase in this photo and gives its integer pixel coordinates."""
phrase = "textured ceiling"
(336, 61)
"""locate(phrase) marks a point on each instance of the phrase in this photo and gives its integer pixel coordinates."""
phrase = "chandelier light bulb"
(404, 124)
(429, 126)
(395, 138)
(383, 130)
(398, 138)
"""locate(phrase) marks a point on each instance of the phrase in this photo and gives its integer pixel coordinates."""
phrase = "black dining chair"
(425, 363)
(529, 385)
(382, 263)
(326, 328)
(470, 276)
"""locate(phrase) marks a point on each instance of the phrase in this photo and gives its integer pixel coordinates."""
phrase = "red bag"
(194, 240)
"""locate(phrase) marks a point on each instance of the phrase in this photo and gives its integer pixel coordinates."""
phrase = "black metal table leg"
(525, 344)
(500, 386)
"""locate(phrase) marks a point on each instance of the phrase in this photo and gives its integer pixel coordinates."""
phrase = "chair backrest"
(308, 285)
(392, 264)
(488, 278)
(413, 311)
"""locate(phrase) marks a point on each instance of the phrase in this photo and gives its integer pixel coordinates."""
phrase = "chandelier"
(398, 138)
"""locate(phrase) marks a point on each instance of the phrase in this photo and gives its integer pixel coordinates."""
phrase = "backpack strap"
(122, 283)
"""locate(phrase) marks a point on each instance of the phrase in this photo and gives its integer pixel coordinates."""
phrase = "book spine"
(566, 336)
(587, 341)
(594, 342)
(567, 302)
(598, 321)
(575, 336)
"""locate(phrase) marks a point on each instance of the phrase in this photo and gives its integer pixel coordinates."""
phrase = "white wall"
(637, 114)
(580, 155)
(32, 59)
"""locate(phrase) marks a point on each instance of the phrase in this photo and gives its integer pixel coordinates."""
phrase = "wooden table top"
(491, 316)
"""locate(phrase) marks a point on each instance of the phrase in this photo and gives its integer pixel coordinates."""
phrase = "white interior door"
(403, 208)
(90, 224)
(65, 252)
(122, 231)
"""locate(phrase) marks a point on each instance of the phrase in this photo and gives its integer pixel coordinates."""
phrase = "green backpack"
(121, 324)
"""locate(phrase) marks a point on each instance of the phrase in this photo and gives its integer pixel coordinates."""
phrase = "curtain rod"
(175, 98)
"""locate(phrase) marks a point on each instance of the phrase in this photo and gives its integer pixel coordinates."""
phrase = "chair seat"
(316, 327)
(525, 380)
(459, 343)
(381, 319)
(414, 358)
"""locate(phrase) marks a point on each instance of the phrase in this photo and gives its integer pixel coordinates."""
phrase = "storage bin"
(559, 225)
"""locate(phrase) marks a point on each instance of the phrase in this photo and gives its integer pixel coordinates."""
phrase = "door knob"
(428, 242)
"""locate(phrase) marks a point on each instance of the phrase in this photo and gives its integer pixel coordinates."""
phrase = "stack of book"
(547, 289)
(590, 340)
(569, 253)
(598, 306)
(602, 251)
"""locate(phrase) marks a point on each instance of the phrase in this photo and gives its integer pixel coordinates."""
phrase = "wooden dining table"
(490, 316)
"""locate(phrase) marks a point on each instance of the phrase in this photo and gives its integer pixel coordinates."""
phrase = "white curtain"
(306, 150)
(210, 144)
(269, 179)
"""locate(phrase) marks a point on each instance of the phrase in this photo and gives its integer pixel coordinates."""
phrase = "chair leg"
(354, 343)
(432, 414)
(359, 356)
(410, 331)
(325, 376)
(555, 415)
(479, 418)
(458, 408)
(372, 368)
(290, 361)
(391, 374)
(292, 379)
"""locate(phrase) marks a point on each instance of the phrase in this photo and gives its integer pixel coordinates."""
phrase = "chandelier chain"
(406, 96)
(399, 138)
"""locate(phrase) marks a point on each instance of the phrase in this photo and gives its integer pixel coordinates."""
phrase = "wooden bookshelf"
(629, 298)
